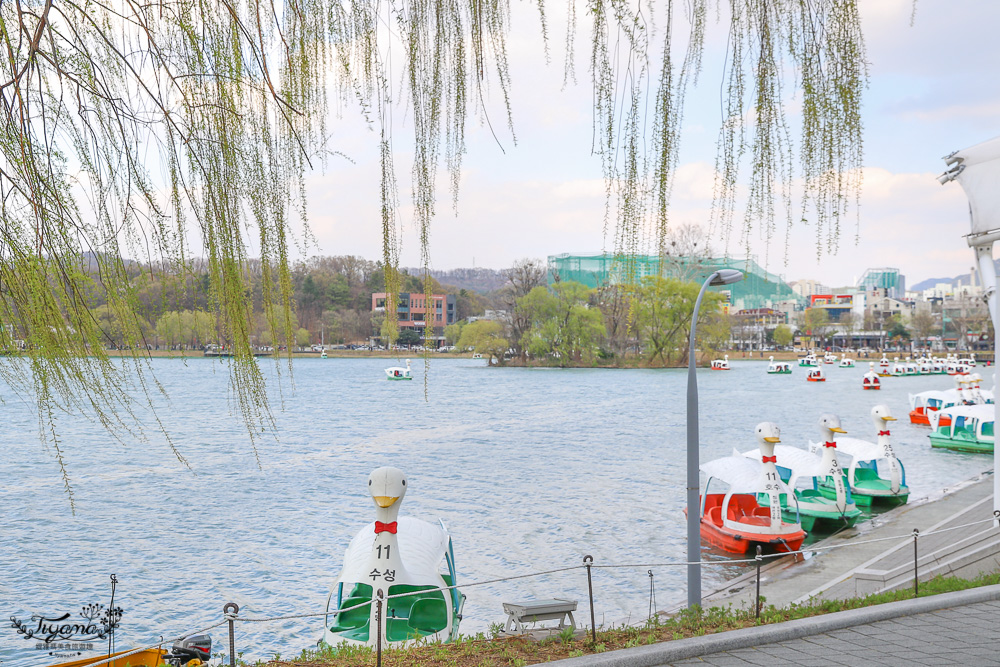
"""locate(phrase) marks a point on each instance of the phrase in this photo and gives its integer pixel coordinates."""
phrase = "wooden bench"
(519, 613)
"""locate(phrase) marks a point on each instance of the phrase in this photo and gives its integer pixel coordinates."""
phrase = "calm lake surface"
(530, 469)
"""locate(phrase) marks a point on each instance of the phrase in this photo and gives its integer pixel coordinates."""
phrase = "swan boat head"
(881, 416)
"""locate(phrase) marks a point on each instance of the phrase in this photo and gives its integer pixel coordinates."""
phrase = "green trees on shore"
(570, 324)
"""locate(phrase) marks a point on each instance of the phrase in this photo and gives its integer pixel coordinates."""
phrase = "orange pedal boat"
(734, 521)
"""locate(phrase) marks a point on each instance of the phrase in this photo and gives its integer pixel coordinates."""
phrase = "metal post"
(693, 506)
(587, 562)
(230, 610)
(111, 608)
(759, 559)
(916, 582)
(378, 625)
(652, 595)
(988, 281)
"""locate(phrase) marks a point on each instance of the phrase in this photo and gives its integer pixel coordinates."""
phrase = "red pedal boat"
(734, 521)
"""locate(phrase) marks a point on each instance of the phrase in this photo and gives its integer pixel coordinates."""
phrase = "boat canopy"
(740, 473)
(923, 398)
(799, 461)
(979, 412)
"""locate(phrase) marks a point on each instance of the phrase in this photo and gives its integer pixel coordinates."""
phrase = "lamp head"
(726, 277)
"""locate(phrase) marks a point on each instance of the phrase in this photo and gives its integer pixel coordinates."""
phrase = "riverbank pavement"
(948, 629)
(877, 555)
(867, 559)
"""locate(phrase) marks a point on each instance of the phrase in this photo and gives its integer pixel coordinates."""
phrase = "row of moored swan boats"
(777, 493)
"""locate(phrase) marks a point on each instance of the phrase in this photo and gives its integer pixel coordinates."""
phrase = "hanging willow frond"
(145, 130)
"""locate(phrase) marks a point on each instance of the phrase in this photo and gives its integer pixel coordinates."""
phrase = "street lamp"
(720, 277)
(977, 170)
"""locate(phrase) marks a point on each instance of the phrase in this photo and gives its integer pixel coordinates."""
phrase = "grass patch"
(483, 651)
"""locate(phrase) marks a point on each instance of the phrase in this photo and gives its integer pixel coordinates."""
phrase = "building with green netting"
(891, 280)
(758, 289)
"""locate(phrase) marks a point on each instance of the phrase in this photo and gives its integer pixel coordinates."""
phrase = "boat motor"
(186, 649)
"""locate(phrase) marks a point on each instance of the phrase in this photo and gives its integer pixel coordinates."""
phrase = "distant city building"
(758, 289)
(492, 315)
(836, 305)
(806, 288)
(413, 310)
(891, 280)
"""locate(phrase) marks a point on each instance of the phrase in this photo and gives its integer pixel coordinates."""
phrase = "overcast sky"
(934, 89)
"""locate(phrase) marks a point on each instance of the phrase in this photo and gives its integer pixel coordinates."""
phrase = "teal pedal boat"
(967, 428)
(873, 473)
(803, 471)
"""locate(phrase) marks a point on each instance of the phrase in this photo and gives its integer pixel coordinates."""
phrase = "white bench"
(519, 613)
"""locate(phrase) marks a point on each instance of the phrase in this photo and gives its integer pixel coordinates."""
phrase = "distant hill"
(964, 279)
(477, 280)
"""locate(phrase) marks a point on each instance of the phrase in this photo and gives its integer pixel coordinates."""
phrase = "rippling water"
(529, 468)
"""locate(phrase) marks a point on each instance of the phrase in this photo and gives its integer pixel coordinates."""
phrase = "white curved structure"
(398, 561)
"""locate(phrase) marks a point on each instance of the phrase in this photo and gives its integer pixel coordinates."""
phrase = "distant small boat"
(845, 362)
(829, 358)
(808, 360)
(816, 375)
(720, 364)
(322, 355)
(870, 379)
(778, 367)
(399, 373)
(477, 356)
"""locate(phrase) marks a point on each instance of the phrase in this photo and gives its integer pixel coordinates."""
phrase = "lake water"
(530, 469)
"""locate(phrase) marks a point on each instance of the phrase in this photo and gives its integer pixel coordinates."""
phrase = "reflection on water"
(530, 469)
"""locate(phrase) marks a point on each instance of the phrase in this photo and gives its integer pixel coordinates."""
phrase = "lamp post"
(977, 170)
(720, 277)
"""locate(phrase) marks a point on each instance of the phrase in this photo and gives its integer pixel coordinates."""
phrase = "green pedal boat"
(803, 471)
(874, 475)
(968, 428)
(396, 564)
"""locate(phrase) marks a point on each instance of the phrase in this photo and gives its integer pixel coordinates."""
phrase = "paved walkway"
(948, 629)
(963, 635)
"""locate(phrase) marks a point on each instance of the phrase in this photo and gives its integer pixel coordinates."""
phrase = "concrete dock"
(859, 565)
(958, 538)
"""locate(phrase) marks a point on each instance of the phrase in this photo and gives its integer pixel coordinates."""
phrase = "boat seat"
(429, 615)
(715, 515)
(352, 619)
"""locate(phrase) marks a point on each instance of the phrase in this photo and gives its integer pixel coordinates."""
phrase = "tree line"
(570, 324)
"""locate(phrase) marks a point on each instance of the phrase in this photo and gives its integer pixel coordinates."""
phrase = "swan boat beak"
(385, 501)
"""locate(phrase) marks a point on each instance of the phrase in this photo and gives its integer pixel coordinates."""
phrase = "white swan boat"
(734, 521)
(399, 372)
(846, 362)
(874, 474)
(870, 379)
(778, 367)
(963, 428)
(407, 564)
(720, 364)
(802, 471)
(809, 360)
